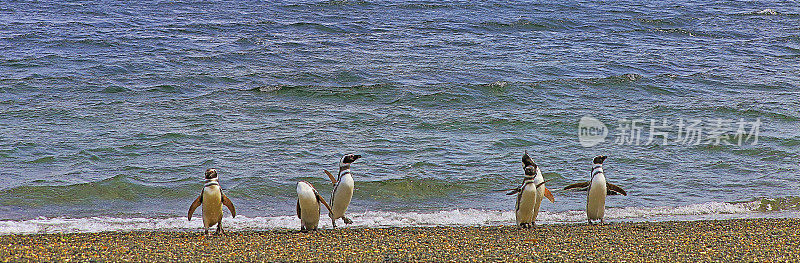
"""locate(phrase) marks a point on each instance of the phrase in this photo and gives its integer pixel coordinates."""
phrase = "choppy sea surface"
(110, 111)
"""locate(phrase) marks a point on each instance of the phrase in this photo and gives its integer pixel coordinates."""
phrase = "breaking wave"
(465, 217)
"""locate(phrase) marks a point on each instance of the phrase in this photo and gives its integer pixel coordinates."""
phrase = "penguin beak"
(526, 160)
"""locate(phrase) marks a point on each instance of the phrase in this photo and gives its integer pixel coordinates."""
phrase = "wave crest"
(458, 217)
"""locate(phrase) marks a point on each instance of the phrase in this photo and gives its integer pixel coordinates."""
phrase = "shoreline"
(761, 239)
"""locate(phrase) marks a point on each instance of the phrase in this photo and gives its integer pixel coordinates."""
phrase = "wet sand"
(724, 240)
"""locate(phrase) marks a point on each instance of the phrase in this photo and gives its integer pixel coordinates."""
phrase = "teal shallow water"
(112, 109)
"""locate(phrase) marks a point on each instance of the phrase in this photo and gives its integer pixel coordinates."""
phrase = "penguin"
(530, 193)
(598, 189)
(308, 200)
(342, 190)
(212, 199)
(538, 179)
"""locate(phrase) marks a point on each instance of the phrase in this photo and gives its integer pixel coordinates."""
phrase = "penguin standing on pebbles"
(598, 189)
(212, 200)
(538, 179)
(308, 200)
(343, 189)
(530, 193)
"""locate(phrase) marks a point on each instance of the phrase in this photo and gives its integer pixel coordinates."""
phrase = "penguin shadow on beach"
(598, 188)
(212, 199)
(530, 193)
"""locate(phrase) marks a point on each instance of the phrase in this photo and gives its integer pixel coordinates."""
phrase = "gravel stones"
(723, 240)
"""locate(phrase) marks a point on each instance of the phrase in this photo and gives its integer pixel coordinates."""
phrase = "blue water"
(112, 110)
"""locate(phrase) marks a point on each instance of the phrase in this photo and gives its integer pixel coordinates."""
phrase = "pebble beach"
(111, 111)
(688, 241)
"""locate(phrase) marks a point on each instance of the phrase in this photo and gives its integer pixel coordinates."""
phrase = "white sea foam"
(458, 217)
(767, 11)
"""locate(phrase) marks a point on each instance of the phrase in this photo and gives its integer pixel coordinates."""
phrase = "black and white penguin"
(598, 189)
(530, 193)
(308, 200)
(538, 179)
(212, 200)
(343, 189)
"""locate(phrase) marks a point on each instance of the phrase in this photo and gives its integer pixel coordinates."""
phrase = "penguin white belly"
(212, 205)
(309, 207)
(596, 199)
(342, 196)
(527, 201)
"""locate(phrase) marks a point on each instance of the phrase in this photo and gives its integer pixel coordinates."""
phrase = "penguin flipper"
(614, 189)
(298, 209)
(197, 202)
(333, 179)
(549, 195)
(322, 200)
(578, 185)
(542, 183)
(227, 202)
(513, 191)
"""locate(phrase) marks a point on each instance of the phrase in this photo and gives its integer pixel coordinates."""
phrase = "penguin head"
(349, 158)
(599, 159)
(527, 161)
(530, 170)
(211, 173)
(305, 184)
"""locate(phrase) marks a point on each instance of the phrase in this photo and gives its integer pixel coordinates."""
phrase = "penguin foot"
(347, 220)
(219, 229)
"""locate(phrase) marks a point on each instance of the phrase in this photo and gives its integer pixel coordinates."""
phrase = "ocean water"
(110, 111)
